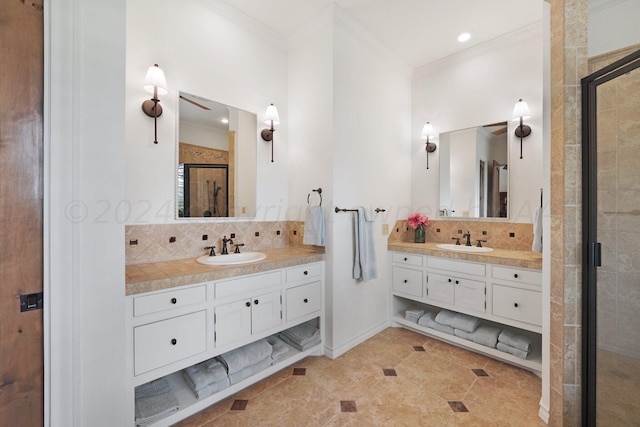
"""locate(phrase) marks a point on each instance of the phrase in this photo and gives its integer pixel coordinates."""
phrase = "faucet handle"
(212, 252)
(237, 251)
(457, 239)
(480, 242)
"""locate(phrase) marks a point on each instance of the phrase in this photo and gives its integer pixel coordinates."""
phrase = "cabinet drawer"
(303, 272)
(408, 259)
(517, 304)
(407, 281)
(247, 284)
(303, 300)
(457, 266)
(161, 343)
(168, 300)
(533, 277)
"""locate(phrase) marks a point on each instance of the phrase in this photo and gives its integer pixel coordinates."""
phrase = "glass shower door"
(612, 250)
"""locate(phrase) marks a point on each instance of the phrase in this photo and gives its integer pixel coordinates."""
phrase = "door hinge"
(30, 302)
(597, 254)
(280, 314)
(215, 337)
(427, 291)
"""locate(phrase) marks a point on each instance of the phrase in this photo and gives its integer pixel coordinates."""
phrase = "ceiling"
(418, 31)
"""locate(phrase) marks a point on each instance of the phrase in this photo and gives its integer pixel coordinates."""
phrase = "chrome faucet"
(467, 235)
(225, 251)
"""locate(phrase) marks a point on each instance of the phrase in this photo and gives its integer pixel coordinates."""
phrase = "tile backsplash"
(499, 235)
(164, 242)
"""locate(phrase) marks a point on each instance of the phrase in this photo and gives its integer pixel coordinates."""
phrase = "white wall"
(476, 87)
(203, 53)
(84, 184)
(371, 163)
(204, 136)
(613, 25)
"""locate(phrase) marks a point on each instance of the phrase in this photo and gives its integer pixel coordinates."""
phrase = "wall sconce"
(270, 117)
(521, 112)
(428, 133)
(156, 84)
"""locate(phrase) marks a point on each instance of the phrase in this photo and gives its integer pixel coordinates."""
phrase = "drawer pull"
(306, 300)
(406, 281)
(305, 273)
(515, 275)
(515, 305)
(174, 300)
(457, 283)
(174, 341)
(248, 303)
(256, 302)
(406, 259)
(449, 280)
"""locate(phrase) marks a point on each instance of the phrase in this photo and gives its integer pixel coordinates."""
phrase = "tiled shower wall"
(164, 242)
(618, 201)
(499, 235)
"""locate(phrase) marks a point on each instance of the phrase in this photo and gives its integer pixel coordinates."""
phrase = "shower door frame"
(591, 257)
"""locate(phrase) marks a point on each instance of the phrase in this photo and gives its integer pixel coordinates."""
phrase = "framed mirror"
(216, 159)
(474, 172)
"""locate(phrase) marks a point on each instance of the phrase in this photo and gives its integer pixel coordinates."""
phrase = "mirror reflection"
(474, 174)
(216, 171)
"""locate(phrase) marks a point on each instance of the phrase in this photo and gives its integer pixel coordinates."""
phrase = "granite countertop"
(512, 258)
(155, 276)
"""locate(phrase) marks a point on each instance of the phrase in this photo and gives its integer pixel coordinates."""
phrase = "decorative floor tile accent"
(457, 406)
(348, 406)
(418, 348)
(239, 405)
(389, 372)
(299, 371)
(480, 372)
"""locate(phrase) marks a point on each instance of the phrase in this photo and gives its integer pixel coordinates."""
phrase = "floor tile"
(348, 406)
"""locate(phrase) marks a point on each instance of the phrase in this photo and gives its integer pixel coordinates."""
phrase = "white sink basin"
(232, 259)
(463, 248)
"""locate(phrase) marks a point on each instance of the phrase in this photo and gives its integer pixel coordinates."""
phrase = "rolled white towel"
(515, 339)
(445, 317)
(202, 374)
(486, 335)
(239, 358)
(427, 321)
(512, 350)
(154, 401)
(465, 322)
(463, 334)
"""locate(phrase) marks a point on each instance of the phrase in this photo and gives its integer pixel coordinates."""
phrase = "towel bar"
(337, 209)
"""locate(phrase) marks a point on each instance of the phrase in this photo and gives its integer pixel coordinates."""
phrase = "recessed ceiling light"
(463, 37)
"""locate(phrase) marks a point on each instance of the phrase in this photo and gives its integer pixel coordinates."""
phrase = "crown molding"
(507, 39)
(245, 21)
(320, 22)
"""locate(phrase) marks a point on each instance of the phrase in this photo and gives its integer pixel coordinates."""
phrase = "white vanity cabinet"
(175, 328)
(502, 296)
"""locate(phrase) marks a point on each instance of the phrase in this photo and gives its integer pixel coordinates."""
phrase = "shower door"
(611, 252)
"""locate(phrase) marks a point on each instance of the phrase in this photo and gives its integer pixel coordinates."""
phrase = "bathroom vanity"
(503, 288)
(199, 312)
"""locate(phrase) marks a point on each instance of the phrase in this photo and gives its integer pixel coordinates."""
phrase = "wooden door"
(21, 207)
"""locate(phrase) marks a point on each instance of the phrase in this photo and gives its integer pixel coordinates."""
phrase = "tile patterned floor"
(435, 384)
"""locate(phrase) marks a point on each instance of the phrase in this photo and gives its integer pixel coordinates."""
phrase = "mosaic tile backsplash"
(164, 242)
(499, 235)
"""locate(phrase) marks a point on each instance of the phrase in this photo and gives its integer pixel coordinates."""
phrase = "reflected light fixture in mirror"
(156, 84)
(428, 134)
(270, 117)
(521, 112)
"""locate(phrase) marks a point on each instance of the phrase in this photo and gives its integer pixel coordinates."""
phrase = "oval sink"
(232, 259)
(462, 248)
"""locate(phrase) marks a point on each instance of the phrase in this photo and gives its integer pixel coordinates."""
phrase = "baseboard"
(332, 352)
(543, 412)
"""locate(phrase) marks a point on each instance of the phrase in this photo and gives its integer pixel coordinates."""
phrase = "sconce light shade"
(521, 112)
(270, 117)
(156, 84)
(427, 134)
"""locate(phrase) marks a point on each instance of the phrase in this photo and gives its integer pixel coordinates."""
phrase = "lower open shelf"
(532, 363)
(190, 405)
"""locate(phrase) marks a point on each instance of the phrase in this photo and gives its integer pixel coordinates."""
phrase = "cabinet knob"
(406, 281)
(515, 305)
(174, 341)
(174, 300)
(449, 280)
(306, 300)
(457, 283)
(306, 273)
(515, 275)
(248, 304)
(406, 259)
(256, 302)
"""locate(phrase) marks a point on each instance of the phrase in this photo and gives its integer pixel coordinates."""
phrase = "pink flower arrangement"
(416, 220)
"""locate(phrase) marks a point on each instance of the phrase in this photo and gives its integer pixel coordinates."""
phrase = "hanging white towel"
(364, 263)
(537, 231)
(314, 226)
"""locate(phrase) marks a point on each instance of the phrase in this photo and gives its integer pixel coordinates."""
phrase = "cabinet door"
(232, 322)
(266, 312)
(440, 288)
(470, 294)
(407, 281)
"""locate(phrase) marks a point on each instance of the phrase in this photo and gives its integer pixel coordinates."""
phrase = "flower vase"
(419, 236)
